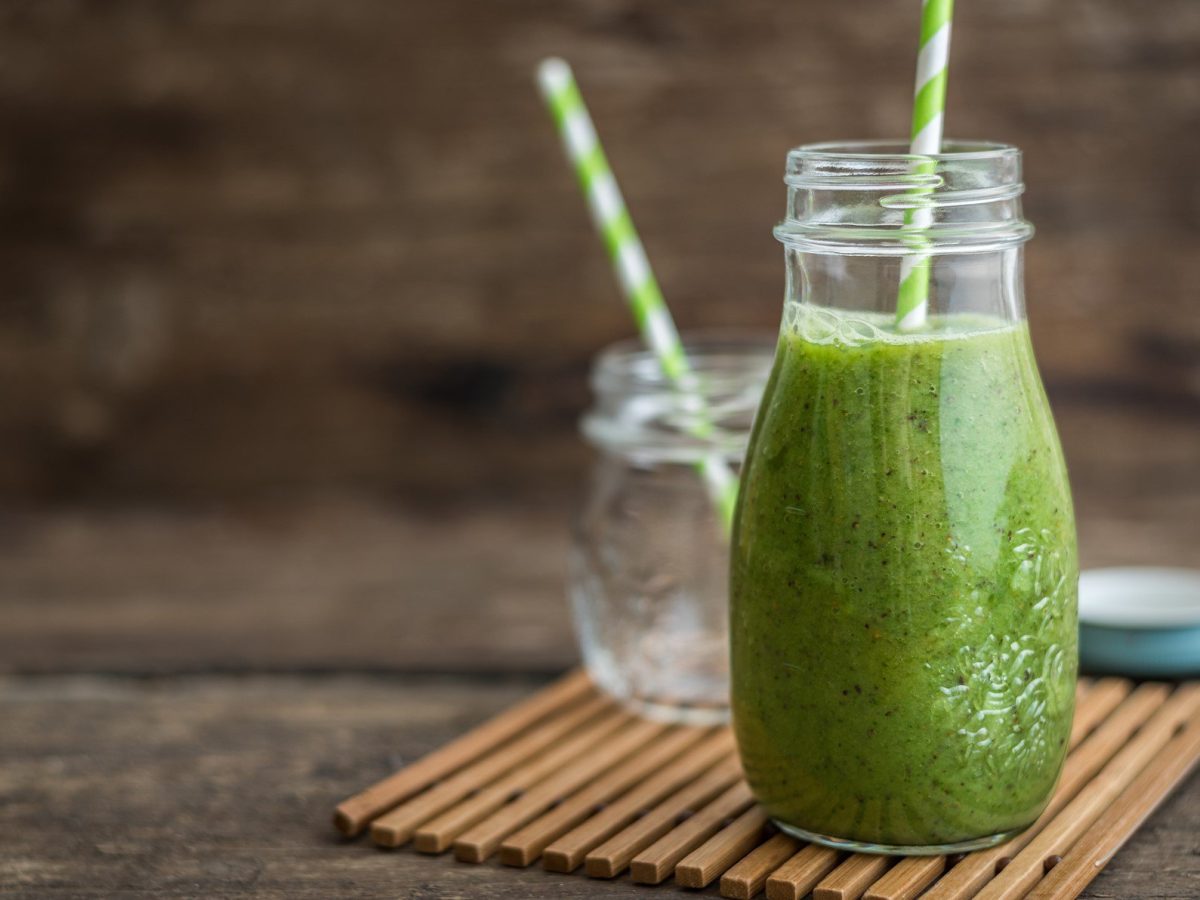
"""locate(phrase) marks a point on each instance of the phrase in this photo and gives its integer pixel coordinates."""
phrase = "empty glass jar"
(650, 556)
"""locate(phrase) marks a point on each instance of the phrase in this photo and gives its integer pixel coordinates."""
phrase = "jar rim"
(629, 365)
(640, 413)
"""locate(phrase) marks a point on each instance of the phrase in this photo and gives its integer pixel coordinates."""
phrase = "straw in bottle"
(929, 104)
(637, 280)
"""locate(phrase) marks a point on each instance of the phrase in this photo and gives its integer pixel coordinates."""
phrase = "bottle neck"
(861, 216)
(988, 285)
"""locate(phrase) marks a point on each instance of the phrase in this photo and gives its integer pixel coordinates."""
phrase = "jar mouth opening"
(716, 359)
(642, 414)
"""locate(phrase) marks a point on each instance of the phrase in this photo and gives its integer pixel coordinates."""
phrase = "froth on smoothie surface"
(824, 325)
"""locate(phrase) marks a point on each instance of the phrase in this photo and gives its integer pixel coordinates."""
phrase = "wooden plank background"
(266, 249)
(297, 304)
(299, 297)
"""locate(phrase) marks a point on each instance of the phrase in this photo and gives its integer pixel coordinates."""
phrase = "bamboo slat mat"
(569, 779)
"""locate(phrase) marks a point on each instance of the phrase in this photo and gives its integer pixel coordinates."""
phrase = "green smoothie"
(903, 583)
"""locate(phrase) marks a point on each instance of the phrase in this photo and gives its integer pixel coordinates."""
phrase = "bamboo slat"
(749, 876)
(800, 874)
(701, 867)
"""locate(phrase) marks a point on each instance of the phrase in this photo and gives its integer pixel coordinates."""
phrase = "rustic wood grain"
(329, 588)
(299, 300)
(280, 247)
(221, 786)
(352, 585)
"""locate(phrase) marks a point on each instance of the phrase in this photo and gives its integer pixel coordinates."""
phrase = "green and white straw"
(637, 280)
(929, 105)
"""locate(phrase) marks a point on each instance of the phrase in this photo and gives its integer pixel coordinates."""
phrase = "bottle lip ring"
(859, 240)
(883, 150)
(876, 197)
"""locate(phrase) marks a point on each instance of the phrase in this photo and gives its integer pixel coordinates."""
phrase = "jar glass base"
(676, 713)
(660, 709)
(836, 843)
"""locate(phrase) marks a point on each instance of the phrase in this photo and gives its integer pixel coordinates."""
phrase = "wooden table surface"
(188, 696)
(253, 250)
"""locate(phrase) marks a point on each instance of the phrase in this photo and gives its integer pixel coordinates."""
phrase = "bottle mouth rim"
(881, 149)
(876, 197)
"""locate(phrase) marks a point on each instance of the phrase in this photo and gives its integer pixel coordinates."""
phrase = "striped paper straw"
(929, 105)
(629, 258)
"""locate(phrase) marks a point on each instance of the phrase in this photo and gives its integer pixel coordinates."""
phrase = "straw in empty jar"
(929, 104)
(632, 266)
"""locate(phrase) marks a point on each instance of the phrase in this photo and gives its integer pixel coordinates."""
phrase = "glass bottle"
(904, 574)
